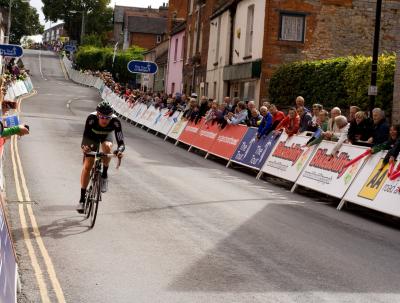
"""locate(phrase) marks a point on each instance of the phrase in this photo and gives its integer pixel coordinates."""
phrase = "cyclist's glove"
(120, 149)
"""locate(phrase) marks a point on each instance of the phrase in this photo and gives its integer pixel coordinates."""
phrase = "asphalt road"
(175, 227)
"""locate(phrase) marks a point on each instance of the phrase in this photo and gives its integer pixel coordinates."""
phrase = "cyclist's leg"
(85, 174)
(106, 147)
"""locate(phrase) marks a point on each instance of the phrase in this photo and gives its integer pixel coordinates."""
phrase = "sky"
(137, 3)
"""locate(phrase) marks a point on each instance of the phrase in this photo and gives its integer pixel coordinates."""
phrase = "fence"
(361, 183)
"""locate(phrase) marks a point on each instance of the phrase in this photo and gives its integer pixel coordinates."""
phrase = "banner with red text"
(373, 189)
(327, 174)
(227, 141)
(289, 157)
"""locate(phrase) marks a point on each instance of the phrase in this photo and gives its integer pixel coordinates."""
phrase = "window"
(292, 27)
(249, 30)
(158, 39)
(176, 49)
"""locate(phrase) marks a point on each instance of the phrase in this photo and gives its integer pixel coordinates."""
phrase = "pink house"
(175, 60)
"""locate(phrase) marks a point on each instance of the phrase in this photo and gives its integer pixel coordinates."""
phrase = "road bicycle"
(93, 192)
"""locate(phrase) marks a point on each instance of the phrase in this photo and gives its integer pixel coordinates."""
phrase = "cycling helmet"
(104, 108)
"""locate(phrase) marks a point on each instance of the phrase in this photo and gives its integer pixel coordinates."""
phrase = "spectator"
(250, 106)
(235, 102)
(300, 102)
(335, 112)
(305, 119)
(322, 126)
(316, 108)
(277, 115)
(211, 115)
(255, 118)
(228, 103)
(352, 112)
(290, 124)
(340, 136)
(380, 132)
(360, 129)
(266, 123)
(191, 113)
(239, 117)
(203, 109)
(392, 144)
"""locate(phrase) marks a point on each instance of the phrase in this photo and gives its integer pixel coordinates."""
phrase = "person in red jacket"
(277, 115)
(290, 124)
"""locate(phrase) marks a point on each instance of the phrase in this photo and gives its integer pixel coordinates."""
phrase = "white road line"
(40, 65)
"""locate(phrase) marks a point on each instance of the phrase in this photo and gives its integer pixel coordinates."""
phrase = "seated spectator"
(340, 136)
(266, 123)
(255, 118)
(290, 124)
(277, 115)
(392, 144)
(380, 132)
(305, 119)
(360, 129)
(352, 112)
(239, 117)
(321, 127)
(335, 112)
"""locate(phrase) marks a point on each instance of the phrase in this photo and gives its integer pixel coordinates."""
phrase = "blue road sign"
(11, 50)
(142, 67)
(70, 48)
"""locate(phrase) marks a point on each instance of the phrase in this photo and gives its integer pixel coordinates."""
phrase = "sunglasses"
(104, 117)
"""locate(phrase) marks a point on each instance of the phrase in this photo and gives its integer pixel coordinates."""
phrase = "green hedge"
(334, 82)
(96, 58)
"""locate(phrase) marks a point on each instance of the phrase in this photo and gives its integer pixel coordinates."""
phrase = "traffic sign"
(142, 67)
(70, 48)
(11, 50)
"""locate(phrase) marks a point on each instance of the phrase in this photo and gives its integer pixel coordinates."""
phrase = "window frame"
(292, 14)
(249, 31)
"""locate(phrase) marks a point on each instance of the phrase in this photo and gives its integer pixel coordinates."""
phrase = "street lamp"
(9, 19)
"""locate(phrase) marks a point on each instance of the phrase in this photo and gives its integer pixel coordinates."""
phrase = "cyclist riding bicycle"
(98, 130)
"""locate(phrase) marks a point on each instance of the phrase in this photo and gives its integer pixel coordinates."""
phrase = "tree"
(24, 20)
(98, 16)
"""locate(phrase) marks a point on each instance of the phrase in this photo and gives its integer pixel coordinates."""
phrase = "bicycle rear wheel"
(95, 201)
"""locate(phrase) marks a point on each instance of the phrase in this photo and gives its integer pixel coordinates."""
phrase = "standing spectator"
(352, 112)
(340, 136)
(235, 102)
(250, 106)
(322, 127)
(240, 117)
(211, 115)
(316, 108)
(266, 123)
(300, 102)
(277, 115)
(360, 129)
(290, 124)
(305, 119)
(392, 144)
(255, 118)
(380, 131)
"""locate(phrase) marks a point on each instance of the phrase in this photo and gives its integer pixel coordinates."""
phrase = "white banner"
(289, 157)
(326, 174)
(178, 128)
(373, 189)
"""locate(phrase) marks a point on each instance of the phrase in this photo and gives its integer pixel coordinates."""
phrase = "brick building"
(196, 46)
(144, 27)
(297, 30)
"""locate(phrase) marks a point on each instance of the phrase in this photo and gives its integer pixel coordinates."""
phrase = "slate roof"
(178, 27)
(147, 25)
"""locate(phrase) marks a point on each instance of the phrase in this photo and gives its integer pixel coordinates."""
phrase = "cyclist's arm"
(119, 136)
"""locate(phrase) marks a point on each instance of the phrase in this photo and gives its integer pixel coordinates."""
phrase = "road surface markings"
(35, 264)
(40, 65)
(17, 167)
(64, 70)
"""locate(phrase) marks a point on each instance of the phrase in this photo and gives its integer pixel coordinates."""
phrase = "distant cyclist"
(98, 130)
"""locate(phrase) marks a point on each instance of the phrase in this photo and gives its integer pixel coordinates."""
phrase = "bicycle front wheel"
(88, 201)
(95, 201)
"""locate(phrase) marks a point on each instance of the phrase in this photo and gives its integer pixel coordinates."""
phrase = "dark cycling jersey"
(94, 133)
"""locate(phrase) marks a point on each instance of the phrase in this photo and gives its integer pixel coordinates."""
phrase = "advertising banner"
(167, 125)
(252, 152)
(159, 119)
(373, 189)
(288, 157)
(177, 129)
(206, 136)
(327, 174)
(227, 141)
(190, 133)
(8, 265)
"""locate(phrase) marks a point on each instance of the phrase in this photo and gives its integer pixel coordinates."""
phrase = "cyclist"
(98, 130)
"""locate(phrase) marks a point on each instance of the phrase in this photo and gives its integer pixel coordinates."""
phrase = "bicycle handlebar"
(103, 155)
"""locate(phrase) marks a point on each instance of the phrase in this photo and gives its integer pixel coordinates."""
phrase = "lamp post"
(9, 19)
(373, 91)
